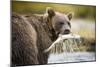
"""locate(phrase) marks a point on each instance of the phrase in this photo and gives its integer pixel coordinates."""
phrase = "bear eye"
(61, 23)
(69, 24)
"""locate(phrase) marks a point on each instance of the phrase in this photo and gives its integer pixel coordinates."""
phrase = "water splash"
(64, 43)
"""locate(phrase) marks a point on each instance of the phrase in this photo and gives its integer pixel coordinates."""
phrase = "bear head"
(58, 21)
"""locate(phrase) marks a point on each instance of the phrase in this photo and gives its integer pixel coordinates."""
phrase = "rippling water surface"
(71, 57)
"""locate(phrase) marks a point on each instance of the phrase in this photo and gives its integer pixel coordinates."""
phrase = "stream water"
(71, 57)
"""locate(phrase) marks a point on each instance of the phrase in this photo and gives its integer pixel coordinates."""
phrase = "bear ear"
(70, 15)
(50, 11)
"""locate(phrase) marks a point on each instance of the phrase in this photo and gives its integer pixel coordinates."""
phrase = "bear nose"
(67, 31)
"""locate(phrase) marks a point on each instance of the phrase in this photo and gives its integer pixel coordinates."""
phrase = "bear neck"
(47, 24)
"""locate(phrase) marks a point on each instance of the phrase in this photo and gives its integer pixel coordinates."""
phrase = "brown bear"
(32, 34)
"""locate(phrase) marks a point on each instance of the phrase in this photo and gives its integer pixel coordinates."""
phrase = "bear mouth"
(66, 32)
